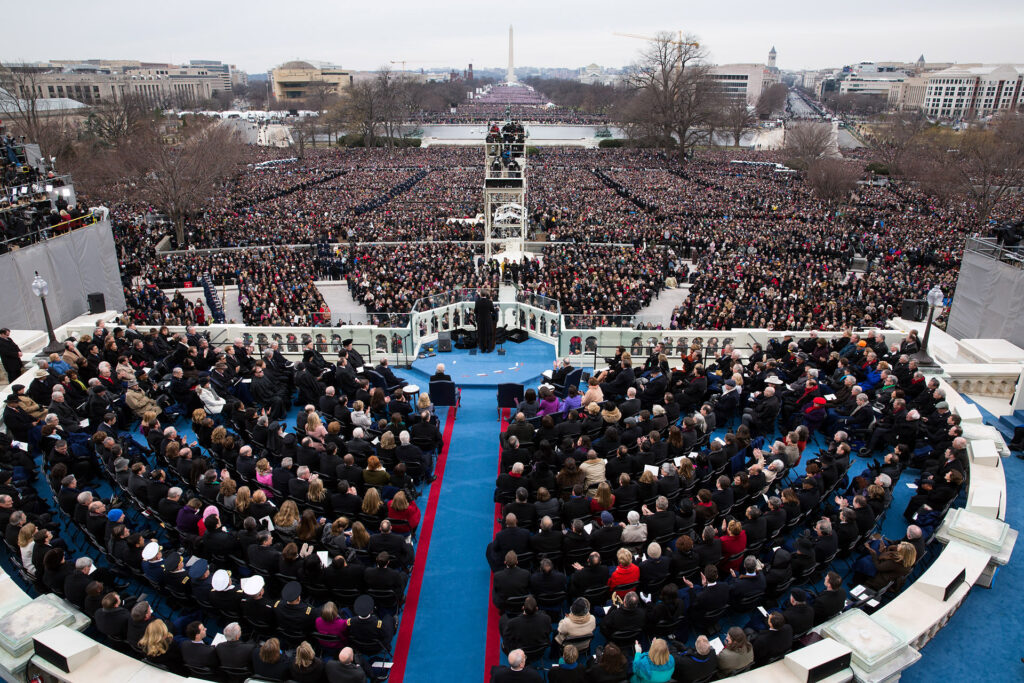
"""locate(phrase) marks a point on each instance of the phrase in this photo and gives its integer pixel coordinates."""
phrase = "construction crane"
(403, 62)
(680, 42)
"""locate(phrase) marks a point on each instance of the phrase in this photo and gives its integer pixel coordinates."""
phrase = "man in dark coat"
(483, 310)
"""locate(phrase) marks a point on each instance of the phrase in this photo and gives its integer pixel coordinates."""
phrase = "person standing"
(484, 312)
(10, 355)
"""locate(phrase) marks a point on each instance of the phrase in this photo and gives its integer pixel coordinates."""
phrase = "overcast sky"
(257, 35)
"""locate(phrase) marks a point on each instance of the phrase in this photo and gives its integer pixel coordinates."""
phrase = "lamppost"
(40, 288)
(934, 298)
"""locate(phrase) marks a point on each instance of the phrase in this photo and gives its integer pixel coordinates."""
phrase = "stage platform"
(522, 363)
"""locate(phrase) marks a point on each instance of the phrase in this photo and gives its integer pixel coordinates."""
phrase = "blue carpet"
(452, 617)
(522, 363)
(989, 623)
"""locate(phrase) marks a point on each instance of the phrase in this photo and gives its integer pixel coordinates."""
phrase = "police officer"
(256, 608)
(293, 615)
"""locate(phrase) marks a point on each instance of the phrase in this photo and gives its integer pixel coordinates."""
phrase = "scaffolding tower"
(505, 212)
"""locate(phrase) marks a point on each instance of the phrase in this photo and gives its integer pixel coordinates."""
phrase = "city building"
(595, 74)
(94, 82)
(744, 80)
(908, 95)
(974, 90)
(871, 83)
(296, 80)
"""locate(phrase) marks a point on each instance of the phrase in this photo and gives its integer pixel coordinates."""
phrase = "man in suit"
(483, 311)
(393, 544)
(77, 582)
(511, 538)
(439, 374)
(233, 652)
(194, 650)
(10, 355)
(654, 390)
(529, 630)
(662, 521)
(655, 569)
(382, 577)
(512, 581)
(587, 577)
(710, 597)
(547, 579)
(774, 642)
(750, 582)
(345, 669)
(112, 618)
(628, 617)
(516, 671)
(696, 663)
(798, 614)
(631, 406)
(264, 556)
(830, 601)
(389, 377)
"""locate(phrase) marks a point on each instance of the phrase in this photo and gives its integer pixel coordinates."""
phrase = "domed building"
(295, 80)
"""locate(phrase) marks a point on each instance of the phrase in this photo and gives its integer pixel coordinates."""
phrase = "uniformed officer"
(175, 576)
(293, 615)
(367, 626)
(224, 595)
(153, 562)
(255, 606)
(199, 573)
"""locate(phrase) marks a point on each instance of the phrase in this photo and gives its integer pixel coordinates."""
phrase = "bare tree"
(832, 179)
(737, 118)
(807, 141)
(363, 109)
(897, 139)
(111, 122)
(771, 100)
(179, 178)
(980, 165)
(26, 111)
(304, 132)
(672, 95)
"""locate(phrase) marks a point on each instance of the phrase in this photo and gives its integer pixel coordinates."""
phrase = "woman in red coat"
(734, 541)
(401, 508)
(625, 573)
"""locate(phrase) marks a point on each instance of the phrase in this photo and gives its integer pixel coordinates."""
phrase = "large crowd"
(292, 541)
(670, 522)
(753, 242)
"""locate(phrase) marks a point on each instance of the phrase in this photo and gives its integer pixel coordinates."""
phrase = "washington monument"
(510, 75)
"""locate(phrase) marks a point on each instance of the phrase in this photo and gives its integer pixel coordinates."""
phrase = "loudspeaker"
(444, 342)
(914, 309)
(941, 580)
(65, 648)
(97, 304)
(818, 661)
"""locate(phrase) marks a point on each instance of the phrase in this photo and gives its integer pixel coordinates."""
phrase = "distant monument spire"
(771, 58)
(510, 74)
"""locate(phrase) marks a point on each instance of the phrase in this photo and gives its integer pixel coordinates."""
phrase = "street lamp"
(934, 299)
(40, 288)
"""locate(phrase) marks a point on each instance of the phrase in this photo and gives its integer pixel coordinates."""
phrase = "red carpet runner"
(492, 650)
(412, 597)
